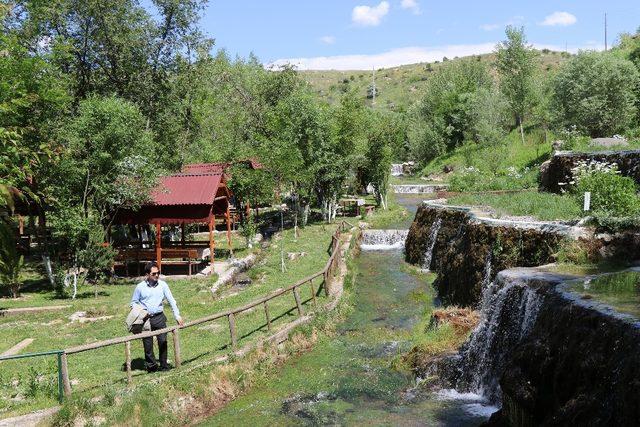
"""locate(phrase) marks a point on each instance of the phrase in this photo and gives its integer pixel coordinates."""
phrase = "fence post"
(60, 386)
(232, 330)
(266, 313)
(176, 347)
(325, 276)
(313, 294)
(127, 354)
(296, 295)
(65, 374)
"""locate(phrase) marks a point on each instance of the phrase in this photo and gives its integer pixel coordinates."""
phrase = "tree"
(386, 132)
(596, 92)
(440, 120)
(11, 262)
(516, 63)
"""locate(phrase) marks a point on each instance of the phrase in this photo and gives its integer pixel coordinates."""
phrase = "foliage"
(611, 194)
(515, 62)
(385, 133)
(11, 262)
(473, 179)
(596, 93)
(248, 230)
(440, 120)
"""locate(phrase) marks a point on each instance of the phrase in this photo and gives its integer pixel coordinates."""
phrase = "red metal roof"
(186, 189)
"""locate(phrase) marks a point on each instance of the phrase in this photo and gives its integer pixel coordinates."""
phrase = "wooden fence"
(327, 273)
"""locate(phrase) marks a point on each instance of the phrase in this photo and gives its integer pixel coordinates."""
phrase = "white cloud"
(405, 55)
(412, 5)
(369, 16)
(391, 58)
(328, 39)
(562, 19)
(490, 27)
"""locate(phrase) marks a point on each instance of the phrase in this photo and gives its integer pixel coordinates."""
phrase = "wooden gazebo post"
(159, 245)
(212, 242)
(228, 221)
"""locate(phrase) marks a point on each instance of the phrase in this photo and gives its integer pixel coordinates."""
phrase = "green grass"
(542, 206)
(29, 384)
(512, 153)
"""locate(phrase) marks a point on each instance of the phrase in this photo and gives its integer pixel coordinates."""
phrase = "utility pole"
(605, 31)
(373, 87)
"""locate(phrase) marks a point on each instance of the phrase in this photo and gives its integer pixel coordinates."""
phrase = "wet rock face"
(559, 168)
(578, 366)
(467, 254)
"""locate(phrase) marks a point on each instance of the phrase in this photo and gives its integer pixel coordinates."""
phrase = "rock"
(544, 179)
(242, 280)
(447, 169)
(557, 145)
(295, 255)
(81, 317)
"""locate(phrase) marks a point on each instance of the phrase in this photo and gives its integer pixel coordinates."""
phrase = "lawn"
(30, 384)
(542, 206)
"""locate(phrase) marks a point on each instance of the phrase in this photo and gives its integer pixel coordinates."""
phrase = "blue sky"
(360, 34)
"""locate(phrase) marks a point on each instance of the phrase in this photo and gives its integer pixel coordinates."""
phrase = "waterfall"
(383, 239)
(486, 278)
(418, 188)
(431, 243)
(508, 314)
(396, 169)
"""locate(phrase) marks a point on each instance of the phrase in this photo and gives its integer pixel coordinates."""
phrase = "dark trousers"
(158, 321)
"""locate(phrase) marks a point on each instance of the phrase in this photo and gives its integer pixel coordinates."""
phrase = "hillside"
(399, 86)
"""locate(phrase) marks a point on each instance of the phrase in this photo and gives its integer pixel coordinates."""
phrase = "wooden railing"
(327, 273)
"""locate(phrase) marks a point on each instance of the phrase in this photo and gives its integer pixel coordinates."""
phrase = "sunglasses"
(155, 274)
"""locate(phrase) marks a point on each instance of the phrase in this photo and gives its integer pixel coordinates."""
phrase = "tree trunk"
(521, 129)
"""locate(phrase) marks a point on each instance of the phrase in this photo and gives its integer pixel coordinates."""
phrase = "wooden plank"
(159, 245)
(296, 295)
(65, 375)
(266, 313)
(127, 355)
(176, 347)
(18, 347)
(232, 330)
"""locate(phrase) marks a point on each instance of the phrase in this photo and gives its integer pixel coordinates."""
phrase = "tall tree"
(516, 64)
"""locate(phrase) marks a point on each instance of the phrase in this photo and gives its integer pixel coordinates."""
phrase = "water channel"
(349, 378)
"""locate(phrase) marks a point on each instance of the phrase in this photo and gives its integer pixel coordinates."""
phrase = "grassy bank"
(541, 206)
(31, 384)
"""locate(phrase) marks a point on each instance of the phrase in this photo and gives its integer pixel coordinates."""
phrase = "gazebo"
(198, 197)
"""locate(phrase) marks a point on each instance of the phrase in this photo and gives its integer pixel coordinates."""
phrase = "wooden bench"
(186, 256)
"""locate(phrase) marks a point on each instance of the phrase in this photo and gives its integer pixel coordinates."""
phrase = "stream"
(349, 378)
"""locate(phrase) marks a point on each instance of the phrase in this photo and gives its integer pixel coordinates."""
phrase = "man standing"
(150, 294)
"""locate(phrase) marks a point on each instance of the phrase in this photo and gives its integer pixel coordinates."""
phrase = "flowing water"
(348, 379)
(431, 243)
(383, 239)
(620, 291)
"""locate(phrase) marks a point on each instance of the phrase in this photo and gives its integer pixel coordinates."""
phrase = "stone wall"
(558, 169)
(470, 250)
(580, 365)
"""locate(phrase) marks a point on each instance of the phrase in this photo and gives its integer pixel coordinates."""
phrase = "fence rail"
(327, 273)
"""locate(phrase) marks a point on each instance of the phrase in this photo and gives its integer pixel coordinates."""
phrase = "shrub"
(474, 179)
(596, 92)
(611, 194)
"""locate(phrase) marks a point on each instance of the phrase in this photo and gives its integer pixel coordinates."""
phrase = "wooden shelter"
(186, 198)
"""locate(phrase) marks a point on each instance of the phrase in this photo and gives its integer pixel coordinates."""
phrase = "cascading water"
(396, 169)
(383, 239)
(431, 243)
(508, 314)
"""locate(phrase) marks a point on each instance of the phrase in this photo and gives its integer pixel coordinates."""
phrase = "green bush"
(612, 195)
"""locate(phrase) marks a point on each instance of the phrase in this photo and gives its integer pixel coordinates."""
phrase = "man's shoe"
(153, 368)
(165, 368)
